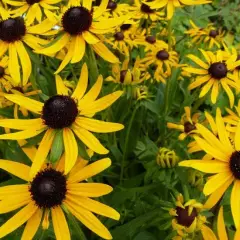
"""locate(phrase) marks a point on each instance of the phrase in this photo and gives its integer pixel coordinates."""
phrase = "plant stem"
(126, 142)
(92, 65)
(170, 35)
(77, 227)
(42, 234)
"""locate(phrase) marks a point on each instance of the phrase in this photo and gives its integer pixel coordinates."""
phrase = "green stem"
(92, 65)
(77, 227)
(126, 143)
(42, 234)
(170, 35)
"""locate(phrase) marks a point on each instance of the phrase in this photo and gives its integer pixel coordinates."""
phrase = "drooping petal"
(235, 202)
(18, 219)
(207, 233)
(60, 224)
(222, 234)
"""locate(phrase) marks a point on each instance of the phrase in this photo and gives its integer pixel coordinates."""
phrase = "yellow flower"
(172, 4)
(51, 192)
(125, 75)
(233, 118)
(142, 10)
(140, 93)
(210, 35)
(14, 34)
(167, 158)
(34, 9)
(215, 71)
(68, 114)
(163, 61)
(187, 124)
(80, 25)
(224, 166)
(187, 218)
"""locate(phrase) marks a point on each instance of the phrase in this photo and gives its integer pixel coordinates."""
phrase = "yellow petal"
(222, 234)
(207, 166)
(18, 219)
(235, 202)
(71, 149)
(90, 170)
(207, 233)
(28, 103)
(79, 49)
(13, 64)
(42, 152)
(60, 224)
(89, 140)
(18, 169)
(13, 190)
(61, 88)
(94, 206)
(82, 83)
(88, 189)
(88, 219)
(98, 126)
(22, 124)
(216, 182)
(101, 103)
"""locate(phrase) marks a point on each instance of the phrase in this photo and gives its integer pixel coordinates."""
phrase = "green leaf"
(57, 147)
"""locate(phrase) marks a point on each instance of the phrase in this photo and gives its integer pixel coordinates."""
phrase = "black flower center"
(146, 9)
(119, 36)
(59, 112)
(123, 74)
(2, 72)
(218, 70)
(18, 89)
(162, 55)
(183, 218)
(48, 188)
(150, 39)
(76, 20)
(111, 5)
(188, 127)
(213, 33)
(125, 27)
(235, 164)
(12, 29)
(31, 2)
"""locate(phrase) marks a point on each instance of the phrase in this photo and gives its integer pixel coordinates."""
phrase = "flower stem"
(92, 65)
(126, 143)
(170, 35)
(75, 224)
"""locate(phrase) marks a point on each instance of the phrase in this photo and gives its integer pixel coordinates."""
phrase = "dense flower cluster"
(73, 73)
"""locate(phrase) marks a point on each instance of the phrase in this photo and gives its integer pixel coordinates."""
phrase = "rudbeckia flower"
(172, 4)
(14, 34)
(72, 115)
(163, 60)
(221, 230)
(5, 78)
(82, 24)
(187, 218)
(224, 166)
(210, 35)
(142, 10)
(34, 9)
(215, 71)
(187, 124)
(51, 193)
(126, 75)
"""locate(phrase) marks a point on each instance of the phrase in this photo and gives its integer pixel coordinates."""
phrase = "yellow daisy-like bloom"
(221, 230)
(140, 93)
(34, 9)
(163, 61)
(72, 115)
(125, 75)
(187, 218)
(233, 118)
(5, 78)
(51, 192)
(215, 71)
(14, 34)
(122, 42)
(142, 10)
(210, 35)
(187, 124)
(150, 42)
(224, 166)
(167, 158)
(172, 4)
(80, 25)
